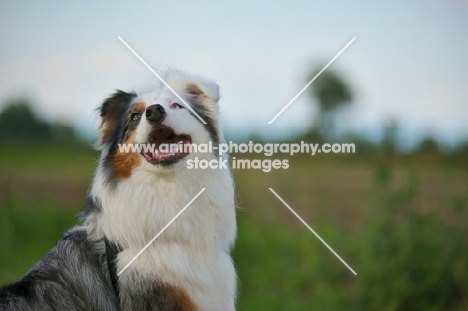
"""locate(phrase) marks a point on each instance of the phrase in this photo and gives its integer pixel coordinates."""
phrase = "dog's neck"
(193, 252)
(132, 211)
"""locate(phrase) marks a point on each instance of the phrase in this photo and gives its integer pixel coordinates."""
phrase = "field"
(399, 221)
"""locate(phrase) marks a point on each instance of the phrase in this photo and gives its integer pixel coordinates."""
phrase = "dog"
(134, 195)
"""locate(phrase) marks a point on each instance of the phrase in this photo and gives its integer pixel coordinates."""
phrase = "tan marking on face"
(139, 107)
(124, 162)
(105, 131)
(182, 299)
(108, 124)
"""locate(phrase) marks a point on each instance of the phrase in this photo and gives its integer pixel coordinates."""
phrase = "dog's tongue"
(167, 151)
(163, 145)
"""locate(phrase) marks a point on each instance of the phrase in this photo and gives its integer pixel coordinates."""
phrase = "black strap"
(111, 256)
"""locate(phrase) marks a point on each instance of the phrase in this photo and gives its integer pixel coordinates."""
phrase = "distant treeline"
(19, 123)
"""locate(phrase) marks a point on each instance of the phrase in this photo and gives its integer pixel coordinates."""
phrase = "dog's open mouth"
(165, 147)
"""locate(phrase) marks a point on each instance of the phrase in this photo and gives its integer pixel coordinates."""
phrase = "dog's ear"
(201, 92)
(195, 88)
(110, 111)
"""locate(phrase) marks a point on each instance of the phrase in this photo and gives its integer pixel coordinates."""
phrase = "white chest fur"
(193, 252)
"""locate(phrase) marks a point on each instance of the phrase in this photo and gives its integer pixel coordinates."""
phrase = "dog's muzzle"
(155, 114)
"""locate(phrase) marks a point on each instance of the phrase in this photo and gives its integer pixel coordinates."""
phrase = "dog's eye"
(176, 106)
(136, 116)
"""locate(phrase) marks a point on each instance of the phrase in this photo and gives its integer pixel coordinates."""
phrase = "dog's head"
(155, 131)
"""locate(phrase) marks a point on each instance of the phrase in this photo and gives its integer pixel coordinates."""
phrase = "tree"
(332, 93)
(428, 145)
(19, 123)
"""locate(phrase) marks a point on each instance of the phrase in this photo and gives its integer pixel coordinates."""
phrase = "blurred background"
(396, 210)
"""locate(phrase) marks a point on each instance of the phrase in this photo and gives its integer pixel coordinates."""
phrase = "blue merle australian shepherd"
(134, 195)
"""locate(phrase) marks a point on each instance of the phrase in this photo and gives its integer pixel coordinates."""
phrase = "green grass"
(399, 222)
(28, 232)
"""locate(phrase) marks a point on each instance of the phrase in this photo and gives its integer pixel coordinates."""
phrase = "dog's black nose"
(155, 113)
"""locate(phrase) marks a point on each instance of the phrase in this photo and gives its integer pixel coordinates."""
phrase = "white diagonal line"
(312, 230)
(160, 232)
(313, 79)
(162, 80)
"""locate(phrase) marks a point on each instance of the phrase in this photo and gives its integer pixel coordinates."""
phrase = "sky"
(408, 62)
